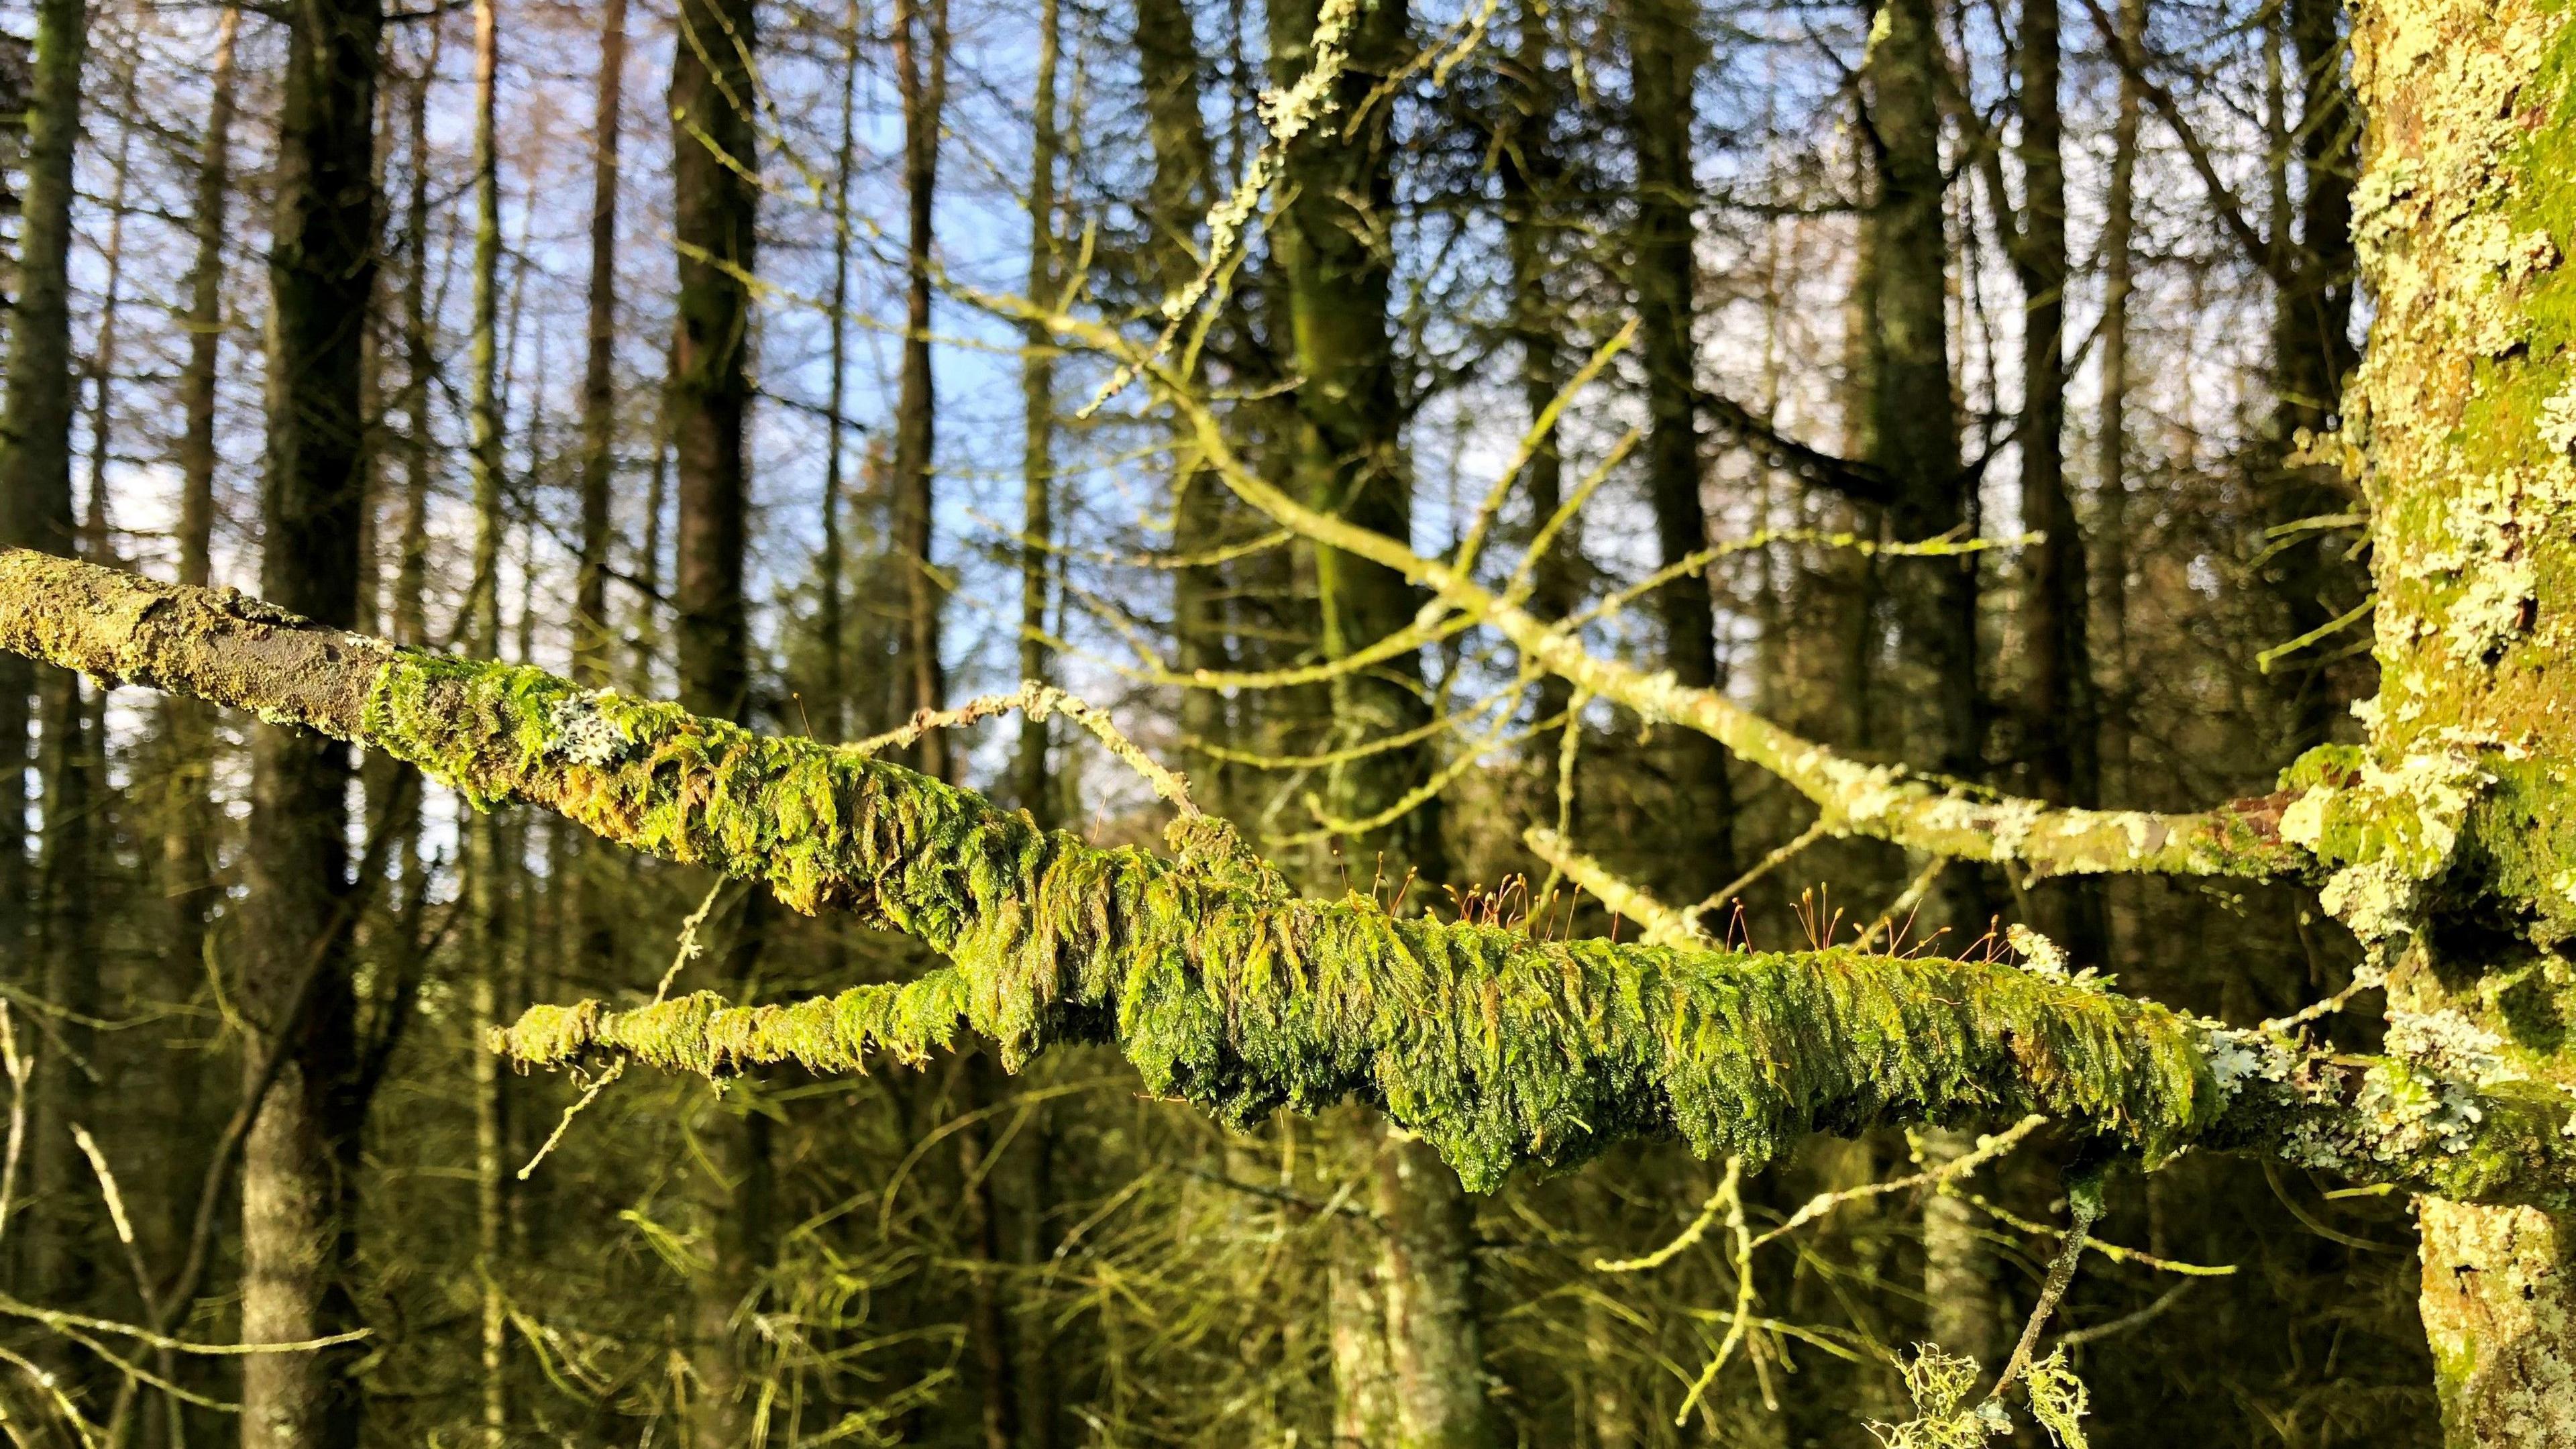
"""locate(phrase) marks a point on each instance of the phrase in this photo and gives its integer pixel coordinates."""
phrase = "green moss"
(1225, 991)
(1221, 990)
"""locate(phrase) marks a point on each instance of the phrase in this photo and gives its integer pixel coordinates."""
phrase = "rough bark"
(1914, 432)
(1335, 257)
(1915, 440)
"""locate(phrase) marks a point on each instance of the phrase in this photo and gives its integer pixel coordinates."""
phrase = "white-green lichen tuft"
(583, 733)
(2494, 610)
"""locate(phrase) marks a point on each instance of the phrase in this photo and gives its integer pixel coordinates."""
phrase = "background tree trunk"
(714, 224)
(299, 1168)
(1914, 436)
(36, 510)
(1665, 53)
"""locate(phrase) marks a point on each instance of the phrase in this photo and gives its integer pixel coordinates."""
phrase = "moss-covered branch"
(1224, 990)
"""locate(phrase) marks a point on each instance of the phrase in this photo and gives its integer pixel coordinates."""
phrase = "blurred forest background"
(1966, 348)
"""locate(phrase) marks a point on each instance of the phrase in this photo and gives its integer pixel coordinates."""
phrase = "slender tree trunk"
(591, 632)
(593, 635)
(74, 768)
(487, 931)
(714, 221)
(1531, 174)
(205, 326)
(1169, 64)
(648, 553)
(36, 512)
(299, 1168)
(1665, 52)
(185, 749)
(1030, 770)
(2060, 711)
(2312, 352)
(1914, 435)
(831, 626)
(921, 63)
(2111, 469)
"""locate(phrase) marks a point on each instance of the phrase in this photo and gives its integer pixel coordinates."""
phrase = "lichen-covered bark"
(2454, 832)
(1497, 1047)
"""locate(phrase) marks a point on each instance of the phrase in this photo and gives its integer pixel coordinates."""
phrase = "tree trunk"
(591, 631)
(921, 63)
(36, 512)
(2111, 466)
(2059, 708)
(2312, 352)
(1177, 199)
(2465, 419)
(300, 1165)
(1914, 436)
(1032, 779)
(187, 729)
(487, 849)
(593, 635)
(714, 217)
(1665, 51)
(1531, 174)
(830, 622)
(1419, 1339)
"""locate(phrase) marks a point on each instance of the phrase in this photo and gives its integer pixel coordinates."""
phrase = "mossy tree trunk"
(2463, 416)
(300, 1166)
